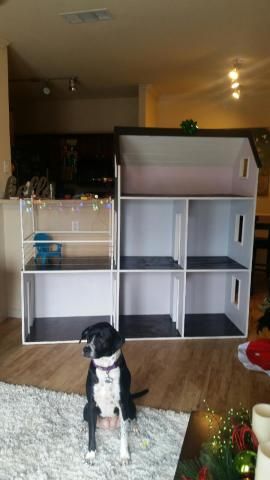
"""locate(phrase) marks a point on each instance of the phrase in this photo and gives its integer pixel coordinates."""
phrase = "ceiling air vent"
(87, 16)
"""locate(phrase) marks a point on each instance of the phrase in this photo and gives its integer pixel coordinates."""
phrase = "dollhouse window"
(244, 168)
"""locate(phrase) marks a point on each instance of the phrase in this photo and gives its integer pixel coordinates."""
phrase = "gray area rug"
(43, 437)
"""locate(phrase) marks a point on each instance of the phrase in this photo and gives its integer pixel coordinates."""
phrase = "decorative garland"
(229, 454)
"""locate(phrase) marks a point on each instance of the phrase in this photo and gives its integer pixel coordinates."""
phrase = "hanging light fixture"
(72, 84)
(234, 77)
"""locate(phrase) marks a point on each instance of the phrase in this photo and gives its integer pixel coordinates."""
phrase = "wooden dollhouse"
(180, 239)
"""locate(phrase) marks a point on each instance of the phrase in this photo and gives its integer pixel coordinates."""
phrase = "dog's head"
(102, 340)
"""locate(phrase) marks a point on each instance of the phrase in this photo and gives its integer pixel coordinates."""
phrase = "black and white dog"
(109, 401)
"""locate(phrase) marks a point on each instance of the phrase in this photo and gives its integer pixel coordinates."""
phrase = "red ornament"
(239, 437)
(203, 473)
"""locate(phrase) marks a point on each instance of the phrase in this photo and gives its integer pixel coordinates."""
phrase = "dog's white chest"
(107, 391)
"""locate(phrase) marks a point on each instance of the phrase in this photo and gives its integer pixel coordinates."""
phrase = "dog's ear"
(84, 334)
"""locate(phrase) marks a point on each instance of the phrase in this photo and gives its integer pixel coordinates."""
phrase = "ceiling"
(178, 46)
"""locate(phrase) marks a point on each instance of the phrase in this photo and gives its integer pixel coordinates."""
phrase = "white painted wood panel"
(73, 294)
(241, 251)
(145, 293)
(205, 292)
(245, 185)
(173, 180)
(147, 228)
(177, 301)
(238, 312)
(208, 227)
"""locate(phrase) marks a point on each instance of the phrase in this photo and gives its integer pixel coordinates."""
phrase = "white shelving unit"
(169, 257)
(187, 209)
(65, 294)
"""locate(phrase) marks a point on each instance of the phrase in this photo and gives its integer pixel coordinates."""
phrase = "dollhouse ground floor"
(58, 305)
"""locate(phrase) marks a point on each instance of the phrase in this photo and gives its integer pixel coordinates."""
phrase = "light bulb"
(233, 74)
(235, 84)
(236, 94)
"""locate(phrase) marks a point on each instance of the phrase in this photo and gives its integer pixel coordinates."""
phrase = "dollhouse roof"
(204, 148)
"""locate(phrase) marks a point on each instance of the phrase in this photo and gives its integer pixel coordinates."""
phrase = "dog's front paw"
(90, 456)
(135, 427)
(124, 458)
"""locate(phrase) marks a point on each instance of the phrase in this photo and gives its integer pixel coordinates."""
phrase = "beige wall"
(5, 165)
(147, 115)
(75, 116)
(249, 111)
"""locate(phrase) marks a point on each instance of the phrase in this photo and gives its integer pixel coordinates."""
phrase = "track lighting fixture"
(47, 84)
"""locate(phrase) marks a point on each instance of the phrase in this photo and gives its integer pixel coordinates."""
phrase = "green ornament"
(245, 462)
(189, 126)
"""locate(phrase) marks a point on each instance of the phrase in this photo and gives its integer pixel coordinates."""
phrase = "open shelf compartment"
(216, 304)
(151, 304)
(67, 234)
(58, 306)
(219, 234)
(153, 234)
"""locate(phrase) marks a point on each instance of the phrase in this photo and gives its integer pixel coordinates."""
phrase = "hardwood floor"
(180, 374)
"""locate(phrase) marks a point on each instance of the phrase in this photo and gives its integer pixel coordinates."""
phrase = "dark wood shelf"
(59, 329)
(210, 325)
(70, 263)
(147, 326)
(148, 263)
(213, 263)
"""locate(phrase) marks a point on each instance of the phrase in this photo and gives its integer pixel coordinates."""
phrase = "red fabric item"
(203, 473)
(258, 353)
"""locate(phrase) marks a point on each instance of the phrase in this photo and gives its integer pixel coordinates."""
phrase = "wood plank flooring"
(180, 374)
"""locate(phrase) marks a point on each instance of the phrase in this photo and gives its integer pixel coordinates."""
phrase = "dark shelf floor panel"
(147, 326)
(210, 325)
(71, 263)
(176, 194)
(213, 263)
(59, 329)
(148, 263)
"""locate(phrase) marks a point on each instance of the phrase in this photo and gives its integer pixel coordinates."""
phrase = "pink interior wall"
(170, 180)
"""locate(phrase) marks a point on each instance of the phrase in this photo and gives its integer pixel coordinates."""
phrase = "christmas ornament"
(245, 462)
(189, 126)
